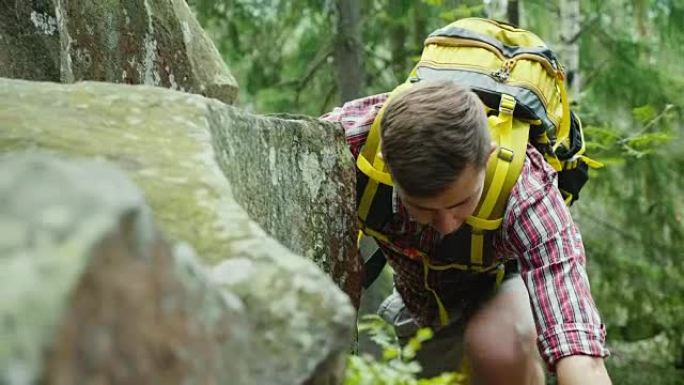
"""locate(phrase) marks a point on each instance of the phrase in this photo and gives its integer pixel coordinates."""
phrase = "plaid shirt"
(537, 231)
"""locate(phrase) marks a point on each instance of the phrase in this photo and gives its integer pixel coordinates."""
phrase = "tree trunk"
(569, 49)
(513, 12)
(495, 9)
(349, 50)
(420, 27)
(397, 38)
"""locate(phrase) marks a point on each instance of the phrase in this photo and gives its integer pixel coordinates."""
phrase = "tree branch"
(326, 100)
(625, 235)
(648, 125)
(594, 74)
(584, 27)
(313, 68)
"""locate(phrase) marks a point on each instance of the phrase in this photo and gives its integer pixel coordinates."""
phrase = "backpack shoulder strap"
(503, 170)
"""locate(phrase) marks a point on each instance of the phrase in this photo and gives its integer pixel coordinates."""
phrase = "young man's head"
(436, 144)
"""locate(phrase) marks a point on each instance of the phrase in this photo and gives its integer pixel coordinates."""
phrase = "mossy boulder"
(150, 42)
(93, 292)
(191, 155)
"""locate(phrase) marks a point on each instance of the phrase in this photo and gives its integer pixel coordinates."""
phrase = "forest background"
(623, 59)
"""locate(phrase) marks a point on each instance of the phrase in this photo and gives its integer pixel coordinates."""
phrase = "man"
(436, 144)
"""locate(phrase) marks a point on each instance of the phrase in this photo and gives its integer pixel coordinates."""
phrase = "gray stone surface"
(295, 176)
(93, 294)
(150, 42)
(167, 143)
(29, 40)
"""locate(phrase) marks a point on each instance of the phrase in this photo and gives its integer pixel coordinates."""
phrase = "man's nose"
(446, 223)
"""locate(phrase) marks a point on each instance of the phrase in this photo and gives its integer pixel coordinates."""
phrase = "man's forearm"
(582, 370)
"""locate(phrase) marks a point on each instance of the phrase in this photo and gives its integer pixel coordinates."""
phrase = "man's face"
(447, 211)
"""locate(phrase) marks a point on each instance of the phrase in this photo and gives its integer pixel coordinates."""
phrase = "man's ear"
(492, 148)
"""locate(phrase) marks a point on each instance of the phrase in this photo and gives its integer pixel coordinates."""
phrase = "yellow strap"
(495, 187)
(567, 197)
(591, 162)
(520, 138)
(367, 199)
(564, 129)
(581, 131)
(426, 259)
(542, 138)
(372, 145)
(503, 125)
(484, 224)
(460, 266)
(441, 309)
(364, 165)
(552, 160)
(500, 274)
(443, 315)
(370, 160)
(372, 233)
(476, 247)
(503, 170)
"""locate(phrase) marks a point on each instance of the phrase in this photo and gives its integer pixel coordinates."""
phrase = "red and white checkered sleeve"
(551, 256)
(356, 117)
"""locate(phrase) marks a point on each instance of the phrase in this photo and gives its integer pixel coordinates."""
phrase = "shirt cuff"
(572, 339)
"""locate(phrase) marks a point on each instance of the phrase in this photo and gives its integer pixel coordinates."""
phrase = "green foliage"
(644, 362)
(281, 52)
(397, 366)
(460, 12)
(633, 232)
(613, 144)
(630, 213)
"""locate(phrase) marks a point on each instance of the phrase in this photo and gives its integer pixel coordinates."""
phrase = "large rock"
(29, 40)
(93, 293)
(153, 42)
(295, 177)
(301, 171)
(163, 140)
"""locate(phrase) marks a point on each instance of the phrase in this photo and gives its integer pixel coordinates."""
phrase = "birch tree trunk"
(495, 9)
(349, 50)
(570, 20)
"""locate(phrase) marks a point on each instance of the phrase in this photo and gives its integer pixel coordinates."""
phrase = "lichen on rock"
(299, 324)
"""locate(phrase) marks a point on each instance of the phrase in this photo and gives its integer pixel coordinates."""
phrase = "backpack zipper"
(459, 42)
(502, 74)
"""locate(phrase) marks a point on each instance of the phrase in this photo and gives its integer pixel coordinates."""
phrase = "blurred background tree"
(623, 61)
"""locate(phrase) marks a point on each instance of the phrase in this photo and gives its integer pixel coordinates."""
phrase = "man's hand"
(582, 370)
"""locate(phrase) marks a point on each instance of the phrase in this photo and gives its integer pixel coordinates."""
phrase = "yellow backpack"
(522, 86)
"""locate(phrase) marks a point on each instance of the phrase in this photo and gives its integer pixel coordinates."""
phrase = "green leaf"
(434, 3)
(644, 113)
